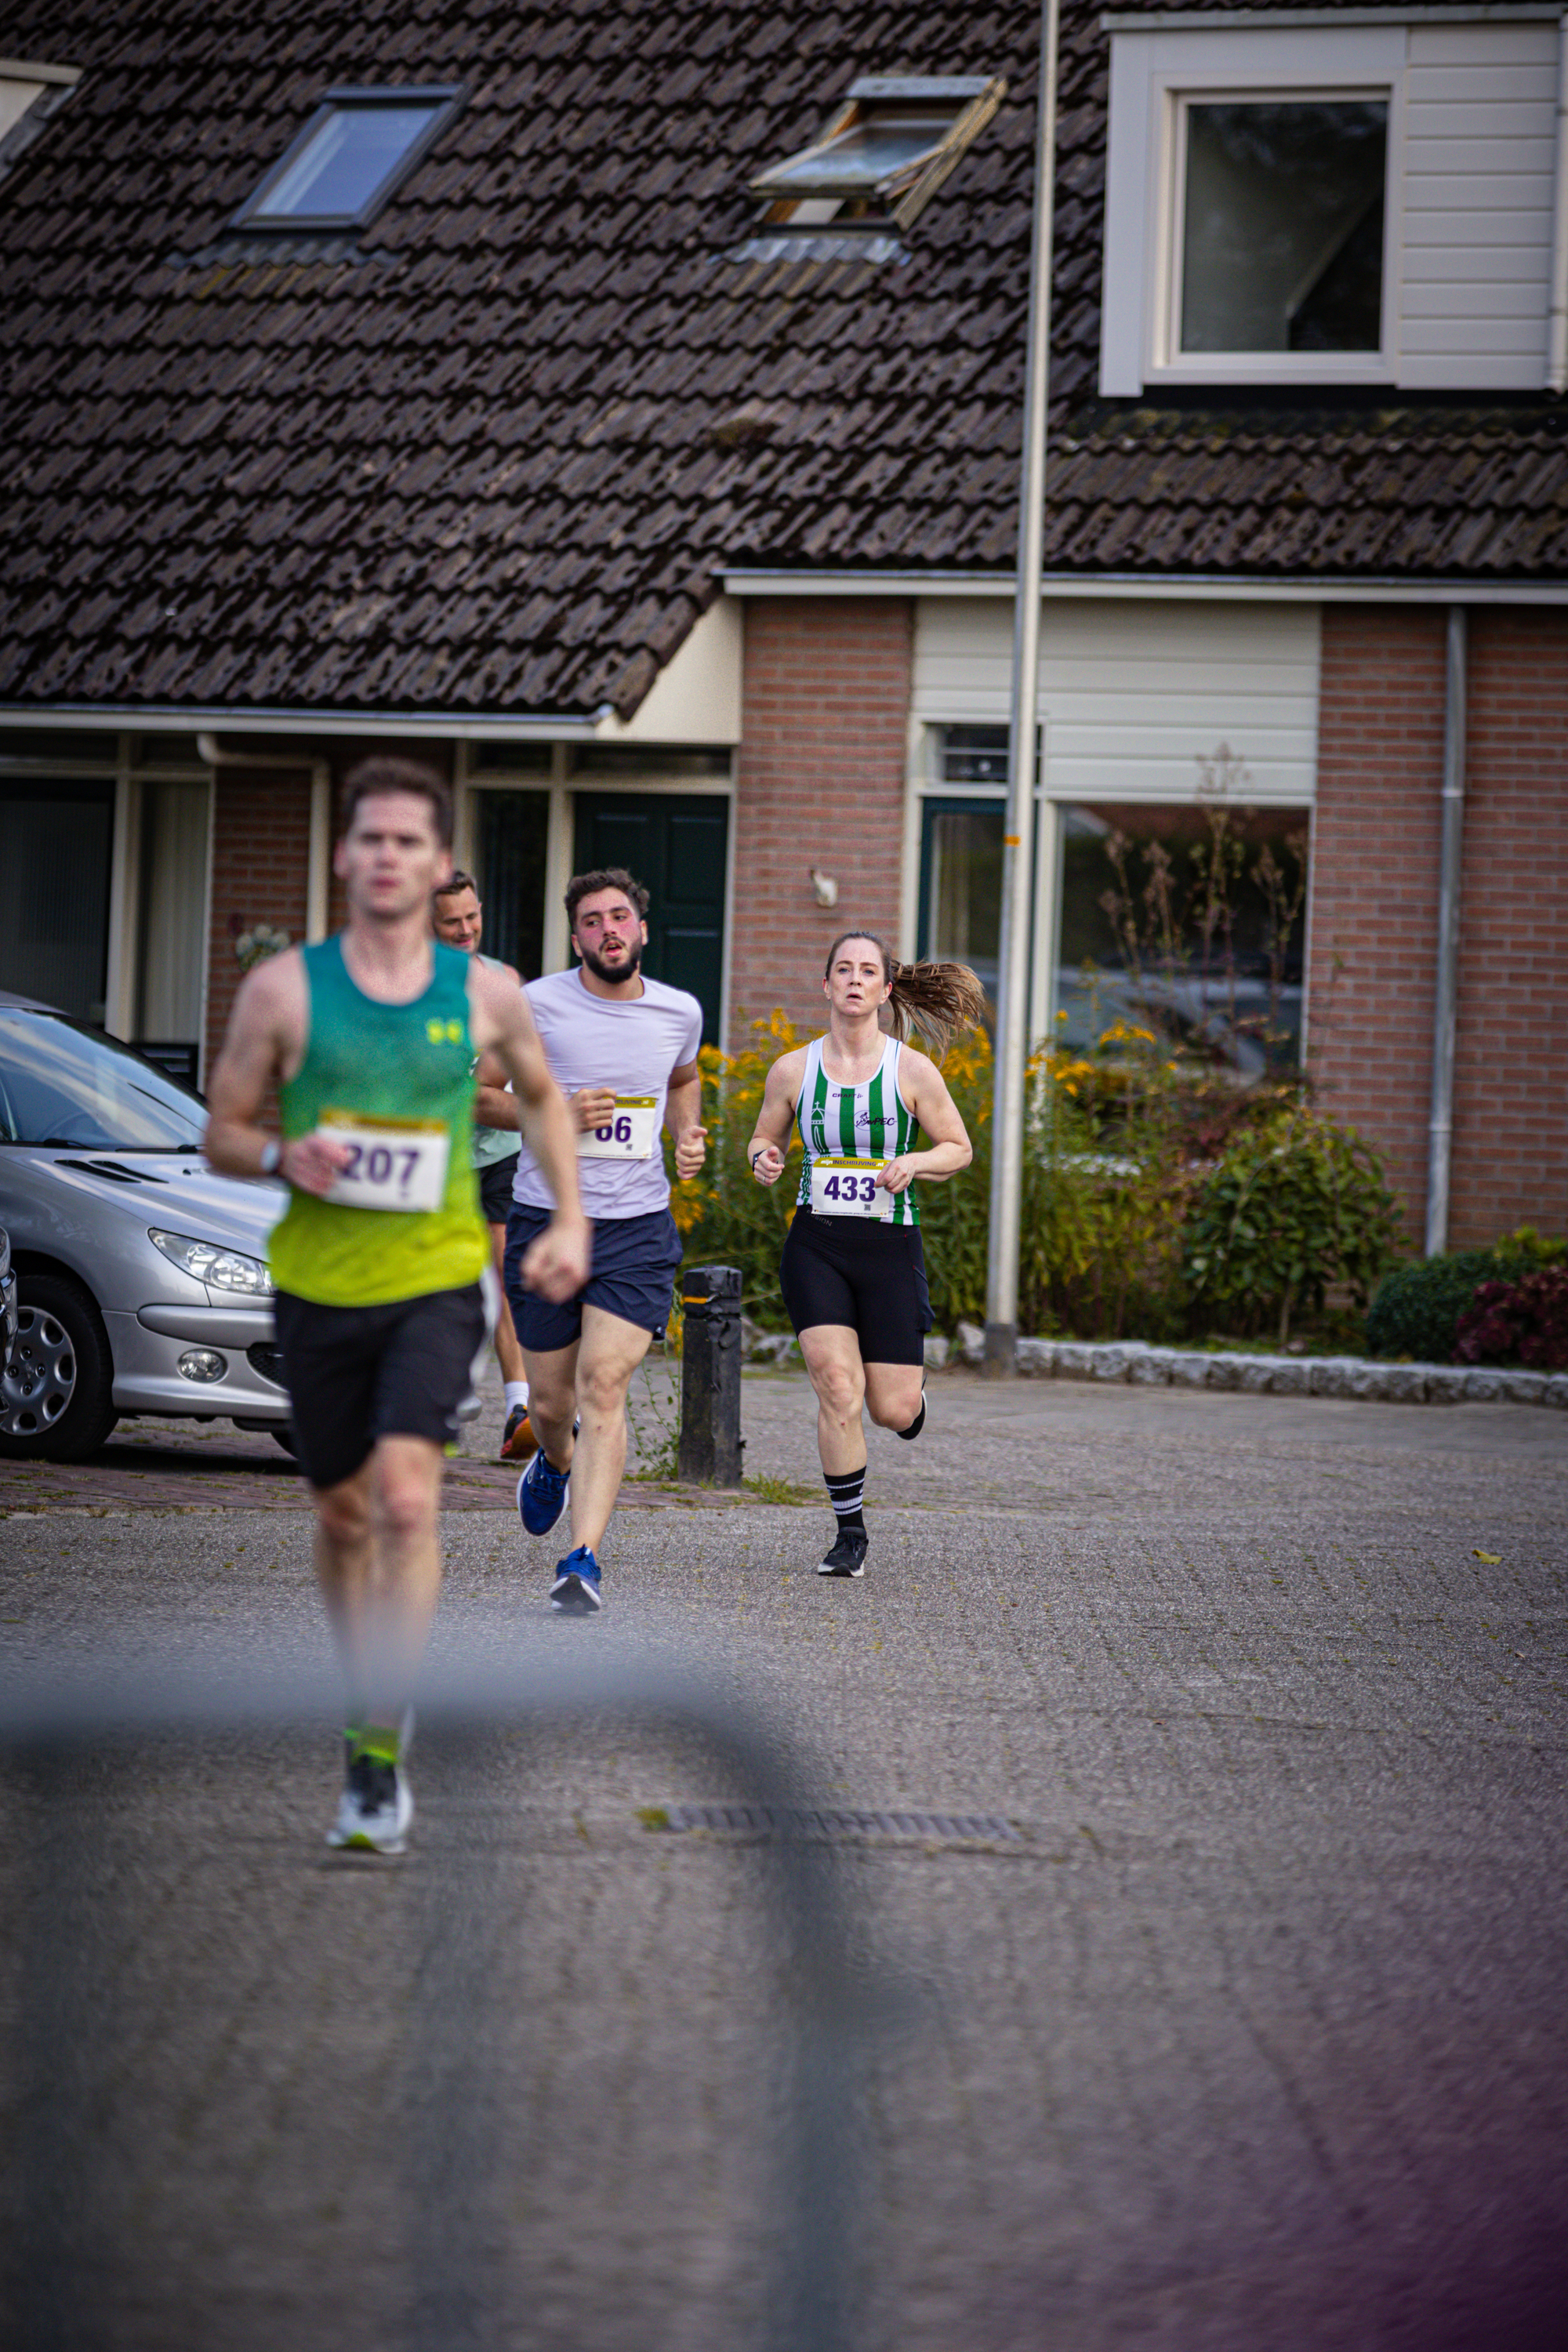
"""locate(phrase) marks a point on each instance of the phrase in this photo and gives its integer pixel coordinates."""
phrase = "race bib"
(848, 1188)
(627, 1136)
(394, 1163)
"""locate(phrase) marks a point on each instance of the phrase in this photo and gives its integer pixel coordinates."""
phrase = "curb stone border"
(1327, 1376)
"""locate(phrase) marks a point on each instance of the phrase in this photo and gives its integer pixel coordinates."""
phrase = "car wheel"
(57, 1392)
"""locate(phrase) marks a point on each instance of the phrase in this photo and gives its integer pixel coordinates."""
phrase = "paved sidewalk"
(1258, 2041)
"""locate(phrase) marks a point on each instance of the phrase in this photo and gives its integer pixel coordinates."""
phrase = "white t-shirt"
(627, 1044)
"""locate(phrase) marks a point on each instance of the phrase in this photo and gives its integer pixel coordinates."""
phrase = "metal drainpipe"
(1440, 1129)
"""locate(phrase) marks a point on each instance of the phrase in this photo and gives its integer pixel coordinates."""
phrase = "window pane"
(340, 169)
(1282, 246)
(974, 755)
(963, 890)
(513, 830)
(56, 840)
(1189, 922)
(865, 154)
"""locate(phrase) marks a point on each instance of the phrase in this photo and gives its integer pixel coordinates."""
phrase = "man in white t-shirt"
(623, 1049)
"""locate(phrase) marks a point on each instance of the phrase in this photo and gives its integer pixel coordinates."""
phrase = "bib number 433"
(848, 1188)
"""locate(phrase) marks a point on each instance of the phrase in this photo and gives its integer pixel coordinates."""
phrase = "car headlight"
(226, 1269)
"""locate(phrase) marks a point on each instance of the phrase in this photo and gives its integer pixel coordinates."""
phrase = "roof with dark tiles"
(491, 455)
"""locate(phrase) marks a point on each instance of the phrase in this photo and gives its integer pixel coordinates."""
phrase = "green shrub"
(1293, 1206)
(1418, 1307)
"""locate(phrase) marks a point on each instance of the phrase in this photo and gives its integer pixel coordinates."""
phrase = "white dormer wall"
(1473, 174)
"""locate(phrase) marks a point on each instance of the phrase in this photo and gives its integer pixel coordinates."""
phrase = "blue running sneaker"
(542, 1494)
(575, 1591)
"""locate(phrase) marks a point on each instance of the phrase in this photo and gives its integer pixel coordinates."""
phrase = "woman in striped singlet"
(852, 1272)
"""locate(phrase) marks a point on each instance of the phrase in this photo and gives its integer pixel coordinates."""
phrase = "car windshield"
(63, 1084)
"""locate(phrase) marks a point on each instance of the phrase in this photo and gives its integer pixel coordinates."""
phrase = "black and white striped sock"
(847, 1493)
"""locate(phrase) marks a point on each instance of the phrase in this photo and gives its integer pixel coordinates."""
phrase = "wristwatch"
(271, 1157)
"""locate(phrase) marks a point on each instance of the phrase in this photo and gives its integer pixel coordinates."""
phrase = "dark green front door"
(675, 844)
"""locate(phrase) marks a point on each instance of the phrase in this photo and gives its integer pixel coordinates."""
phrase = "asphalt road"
(1252, 2035)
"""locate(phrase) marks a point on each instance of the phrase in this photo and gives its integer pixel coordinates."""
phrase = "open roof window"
(356, 149)
(884, 153)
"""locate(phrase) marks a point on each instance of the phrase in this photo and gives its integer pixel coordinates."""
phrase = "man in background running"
(370, 1039)
(457, 918)
(623, 1048)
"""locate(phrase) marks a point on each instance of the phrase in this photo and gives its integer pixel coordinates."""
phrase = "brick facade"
(261, 848)
(1511, 1078)
(1376, 856)
(820, 783)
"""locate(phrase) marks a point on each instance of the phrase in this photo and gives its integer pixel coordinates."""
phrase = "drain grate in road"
(837, 1828)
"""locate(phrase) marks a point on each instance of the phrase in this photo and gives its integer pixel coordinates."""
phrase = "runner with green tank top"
(853, 1269)
(457, 918)
(370, 1040)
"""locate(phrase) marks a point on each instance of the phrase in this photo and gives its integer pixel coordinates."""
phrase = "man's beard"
(612, 972)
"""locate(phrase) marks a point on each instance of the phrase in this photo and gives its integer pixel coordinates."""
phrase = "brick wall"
(1510, 1077)
(1376, 855)
(1377, 848)
(821, 782)
(261, 843)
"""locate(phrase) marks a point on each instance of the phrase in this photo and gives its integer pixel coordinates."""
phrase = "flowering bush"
(1522, 1322)
(1121, 1158)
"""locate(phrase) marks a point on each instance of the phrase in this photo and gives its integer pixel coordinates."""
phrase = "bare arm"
(925, 1092)
(266, 1039)
(501, 1025)
(770, 1137)
(683, 1118)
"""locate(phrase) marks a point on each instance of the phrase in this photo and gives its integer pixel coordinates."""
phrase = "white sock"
(516, 1395)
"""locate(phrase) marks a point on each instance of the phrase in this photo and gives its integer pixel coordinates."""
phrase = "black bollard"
(711, 1439)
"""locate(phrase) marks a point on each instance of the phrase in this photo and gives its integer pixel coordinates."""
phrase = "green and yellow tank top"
(403, 1074)
(865, 1122)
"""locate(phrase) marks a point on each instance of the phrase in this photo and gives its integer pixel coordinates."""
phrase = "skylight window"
(884, 155)
(356, 149)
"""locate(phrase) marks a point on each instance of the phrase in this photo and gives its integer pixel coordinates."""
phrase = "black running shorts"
(872, 1277)
(355, 1374)
(495, 1189)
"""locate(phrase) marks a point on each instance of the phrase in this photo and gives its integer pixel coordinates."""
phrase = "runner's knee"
(601, 1389)
(840, 1388)
(345, 1513)
(405, 1507)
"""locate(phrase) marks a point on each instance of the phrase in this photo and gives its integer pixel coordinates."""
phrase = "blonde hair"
(933, 1001)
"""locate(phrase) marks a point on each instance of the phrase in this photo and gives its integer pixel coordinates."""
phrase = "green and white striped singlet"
(865, 1122)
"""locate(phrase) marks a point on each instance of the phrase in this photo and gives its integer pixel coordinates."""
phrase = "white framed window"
(1254, 207)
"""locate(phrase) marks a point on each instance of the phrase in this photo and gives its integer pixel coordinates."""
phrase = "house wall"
(1480, 144)
(1376, 856)
(1511, 1078)
(1134, 692)
(1376, 845)
(260, 858)
(820, 783)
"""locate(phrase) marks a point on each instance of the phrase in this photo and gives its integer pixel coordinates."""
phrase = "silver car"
(142, 1274)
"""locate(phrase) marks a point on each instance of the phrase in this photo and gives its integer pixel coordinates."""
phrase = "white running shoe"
(375, 1809)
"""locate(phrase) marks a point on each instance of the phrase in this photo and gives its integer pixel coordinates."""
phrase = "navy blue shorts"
(635, 1261)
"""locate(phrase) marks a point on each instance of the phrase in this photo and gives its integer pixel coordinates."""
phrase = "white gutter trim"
(1192, 20)
(1234, 587)
(144, 718)
(1557, 315)
(1444, 1012)
(24, 69)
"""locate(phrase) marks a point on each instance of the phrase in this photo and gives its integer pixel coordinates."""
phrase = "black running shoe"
(918, 1423)
(848, 1557)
